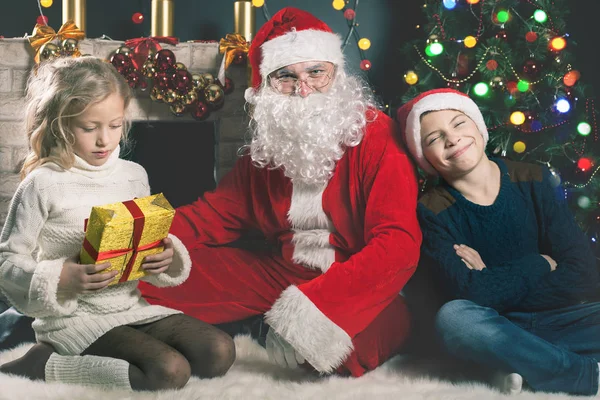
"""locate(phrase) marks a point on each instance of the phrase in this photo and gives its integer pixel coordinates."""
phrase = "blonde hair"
(57, 91)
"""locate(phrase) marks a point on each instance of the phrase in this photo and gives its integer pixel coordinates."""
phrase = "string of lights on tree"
(513, 58)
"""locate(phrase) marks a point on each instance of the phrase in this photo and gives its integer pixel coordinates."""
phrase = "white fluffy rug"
(253, 377)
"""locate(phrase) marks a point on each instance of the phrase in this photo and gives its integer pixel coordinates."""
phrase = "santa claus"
(326, 183)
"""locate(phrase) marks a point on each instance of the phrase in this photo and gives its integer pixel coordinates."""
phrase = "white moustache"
(306, 136)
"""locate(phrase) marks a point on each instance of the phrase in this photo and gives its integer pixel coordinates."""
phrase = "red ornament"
(531, 36)
(491, 65)
(182, 81)
(164, 80)
(584, 164)
(239, 58)
(143, 84)
(137, 18)
(462, 65)
(122, 63)
(42, 20)
(200, 111)
(512, 87)
(532, 69)
(134, 78)
(502, 35)
(228, 86)
(349, 14)
(164, 59)
(144, 48)
(571, 78)
(365, 65)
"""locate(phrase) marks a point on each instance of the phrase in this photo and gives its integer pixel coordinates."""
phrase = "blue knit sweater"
(528, 218)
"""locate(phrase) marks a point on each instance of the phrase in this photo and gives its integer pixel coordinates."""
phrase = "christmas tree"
(514, 59)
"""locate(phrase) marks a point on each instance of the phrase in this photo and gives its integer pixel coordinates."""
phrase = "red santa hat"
(409, 117)
(291, 36)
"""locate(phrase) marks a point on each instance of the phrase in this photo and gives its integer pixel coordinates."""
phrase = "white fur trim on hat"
(300, 46)
(437, 102)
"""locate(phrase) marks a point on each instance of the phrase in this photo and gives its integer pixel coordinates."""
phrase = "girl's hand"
(158, 263)
(83, 278)
(469, 256)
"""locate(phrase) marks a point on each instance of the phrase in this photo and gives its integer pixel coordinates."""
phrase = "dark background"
(387, 23)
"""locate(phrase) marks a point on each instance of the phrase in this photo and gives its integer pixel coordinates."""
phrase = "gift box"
(124, 233)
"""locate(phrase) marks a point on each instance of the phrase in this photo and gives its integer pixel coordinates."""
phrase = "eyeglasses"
(288, 84)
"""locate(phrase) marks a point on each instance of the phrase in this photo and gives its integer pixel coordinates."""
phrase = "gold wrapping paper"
(111, 235)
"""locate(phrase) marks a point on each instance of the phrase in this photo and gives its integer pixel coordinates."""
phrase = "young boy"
(506, 249)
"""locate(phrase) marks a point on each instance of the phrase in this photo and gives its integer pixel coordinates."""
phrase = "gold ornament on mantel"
(43, 37)
(49, 51)
(208, 78)
(214, 95)
(233, 45)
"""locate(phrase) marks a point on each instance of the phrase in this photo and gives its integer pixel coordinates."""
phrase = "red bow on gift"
(138, 228)
(143, 46)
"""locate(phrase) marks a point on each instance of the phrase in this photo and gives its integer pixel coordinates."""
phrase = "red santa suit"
(346, 248)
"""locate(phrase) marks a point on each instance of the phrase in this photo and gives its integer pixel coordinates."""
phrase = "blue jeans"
(554, 351)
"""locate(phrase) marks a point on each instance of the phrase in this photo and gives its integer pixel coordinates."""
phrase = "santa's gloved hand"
(281, 352)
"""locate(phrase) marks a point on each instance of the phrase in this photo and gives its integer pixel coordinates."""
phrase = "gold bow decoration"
(43, 34)
(232, 45)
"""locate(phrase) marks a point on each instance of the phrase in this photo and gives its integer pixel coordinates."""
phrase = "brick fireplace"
(227, 125)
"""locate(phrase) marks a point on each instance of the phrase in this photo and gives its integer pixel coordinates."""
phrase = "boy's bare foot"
(32, 365)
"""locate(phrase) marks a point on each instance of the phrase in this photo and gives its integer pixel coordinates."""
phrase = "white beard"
(307, 136)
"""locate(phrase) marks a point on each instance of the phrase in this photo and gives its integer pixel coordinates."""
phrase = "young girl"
(89, 332)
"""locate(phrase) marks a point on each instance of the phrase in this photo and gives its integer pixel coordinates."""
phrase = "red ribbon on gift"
(142, 46)
(138, 228)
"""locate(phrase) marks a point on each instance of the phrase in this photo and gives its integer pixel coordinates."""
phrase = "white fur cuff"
(179, 270)
(43, 291)
(314, 336)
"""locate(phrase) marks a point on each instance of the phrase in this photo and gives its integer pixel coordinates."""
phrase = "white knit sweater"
(45, 226)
